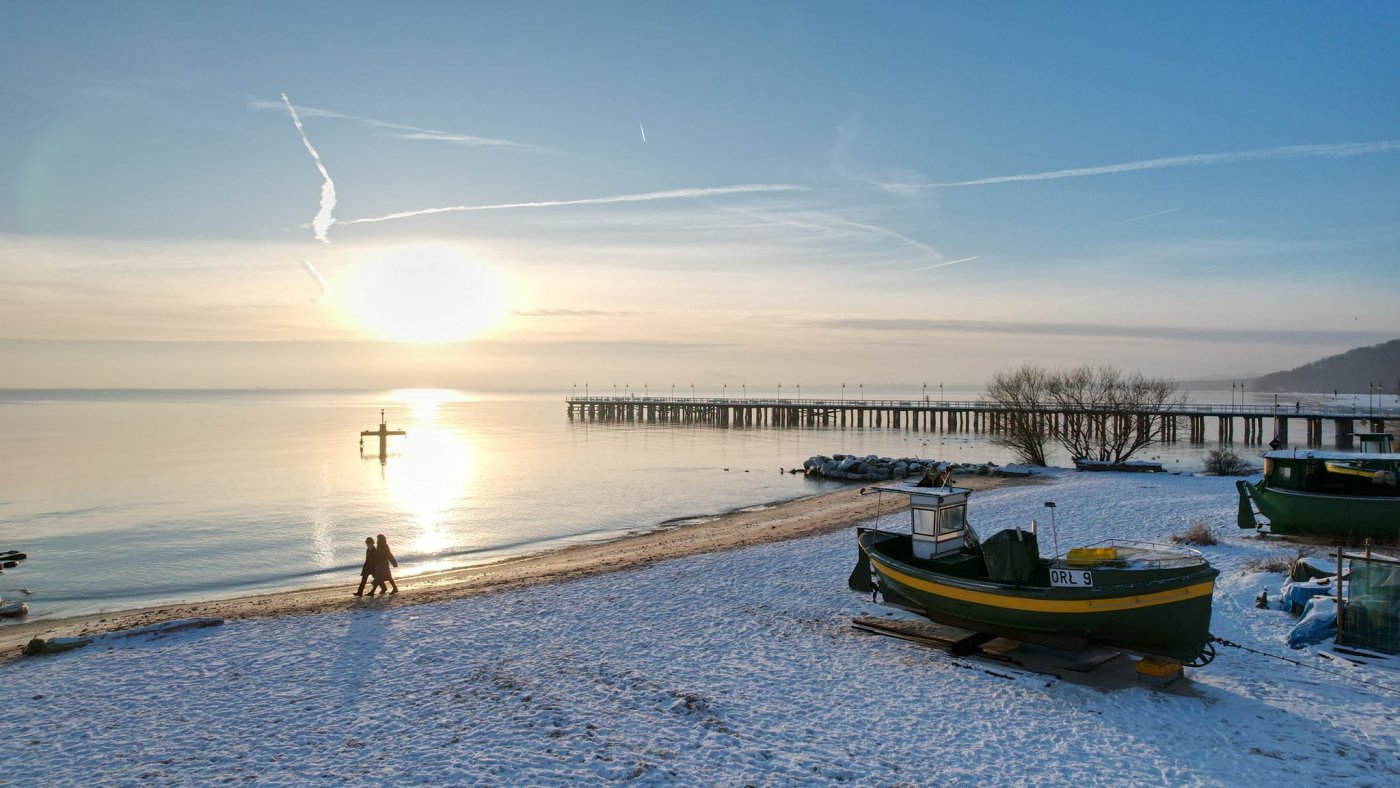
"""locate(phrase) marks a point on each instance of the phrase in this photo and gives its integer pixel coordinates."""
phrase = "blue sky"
(715, 192)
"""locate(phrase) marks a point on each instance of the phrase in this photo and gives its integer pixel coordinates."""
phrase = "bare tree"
(1021, 394)
(1109, 415)
(1095, 413)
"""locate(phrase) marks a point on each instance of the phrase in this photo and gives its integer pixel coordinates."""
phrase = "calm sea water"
(131, 498)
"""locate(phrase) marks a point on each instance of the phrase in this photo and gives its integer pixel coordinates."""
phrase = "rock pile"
(870, 468)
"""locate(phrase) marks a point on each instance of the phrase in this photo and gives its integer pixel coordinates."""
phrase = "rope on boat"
(1212, 639)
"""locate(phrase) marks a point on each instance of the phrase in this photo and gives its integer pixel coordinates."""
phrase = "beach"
(807, 516)
(721, 667)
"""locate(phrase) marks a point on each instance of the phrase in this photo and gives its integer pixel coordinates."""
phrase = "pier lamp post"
(575, 389)
(799, 392)
(925, 392)
(780, 391)
(843, 392)
(746, 390)
(692, 391)
(673, 391)
(724, 391)
(614, 391)
(862, 391)
(940, 392)
(646, 390)
(625, 388)
(1241, 395)
(585, 390)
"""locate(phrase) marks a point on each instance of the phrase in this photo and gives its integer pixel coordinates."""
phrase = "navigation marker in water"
(383, 432)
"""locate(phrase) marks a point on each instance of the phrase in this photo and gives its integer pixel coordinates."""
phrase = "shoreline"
(791, 519)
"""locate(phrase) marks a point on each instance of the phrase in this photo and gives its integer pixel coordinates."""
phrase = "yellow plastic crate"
(1085, 556)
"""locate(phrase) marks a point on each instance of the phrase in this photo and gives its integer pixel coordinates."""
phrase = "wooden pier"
(1257, 424)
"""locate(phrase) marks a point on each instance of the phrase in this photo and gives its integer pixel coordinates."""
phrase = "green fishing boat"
(1142, 599)
(1327, 493)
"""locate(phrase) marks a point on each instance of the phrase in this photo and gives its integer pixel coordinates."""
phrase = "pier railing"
(1178, 409)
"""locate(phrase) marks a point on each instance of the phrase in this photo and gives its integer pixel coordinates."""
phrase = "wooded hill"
(1352, 372)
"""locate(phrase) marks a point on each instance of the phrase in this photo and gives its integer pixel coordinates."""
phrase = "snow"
(727, 668)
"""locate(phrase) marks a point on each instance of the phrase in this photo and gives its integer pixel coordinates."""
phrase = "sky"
(548, 195)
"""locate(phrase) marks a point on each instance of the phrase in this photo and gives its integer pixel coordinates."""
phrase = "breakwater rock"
(870, 468)
(874, 468)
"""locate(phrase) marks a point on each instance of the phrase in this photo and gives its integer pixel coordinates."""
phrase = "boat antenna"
(1054, 533)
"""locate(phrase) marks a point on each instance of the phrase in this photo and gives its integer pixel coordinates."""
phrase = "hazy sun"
(426, 294)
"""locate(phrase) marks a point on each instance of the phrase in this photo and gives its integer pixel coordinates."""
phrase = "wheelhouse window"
(954, 519)
(926, 522)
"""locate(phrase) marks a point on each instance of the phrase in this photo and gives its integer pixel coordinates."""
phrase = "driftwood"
(39, 646)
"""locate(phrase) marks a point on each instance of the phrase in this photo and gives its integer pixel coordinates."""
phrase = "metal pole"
(1054, 532)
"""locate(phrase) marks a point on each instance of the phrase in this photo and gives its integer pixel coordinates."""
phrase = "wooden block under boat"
(958, 641)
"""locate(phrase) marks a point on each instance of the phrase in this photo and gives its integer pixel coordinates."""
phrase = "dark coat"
(368, 567)
(382, 559)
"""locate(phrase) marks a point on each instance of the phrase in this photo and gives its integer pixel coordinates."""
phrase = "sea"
(130, 498)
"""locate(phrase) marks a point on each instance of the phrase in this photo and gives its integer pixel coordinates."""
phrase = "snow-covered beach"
(716, 668)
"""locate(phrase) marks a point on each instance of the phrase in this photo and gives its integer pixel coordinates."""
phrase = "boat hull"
(1322, 514)
(1163, 617)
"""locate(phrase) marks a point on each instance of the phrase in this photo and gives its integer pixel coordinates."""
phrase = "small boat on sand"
(1327, 493)
(1141, 599)
(1127, 466)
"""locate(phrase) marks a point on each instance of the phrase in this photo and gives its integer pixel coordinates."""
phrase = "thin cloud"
(950, 262)
(1337, 150)
(320, 225)
(825, 223)
(406, 132)
(675, 194)
(1160, 333)
(573, 313)
(644, 130)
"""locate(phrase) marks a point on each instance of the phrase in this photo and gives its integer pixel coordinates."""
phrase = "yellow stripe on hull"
(1048, 605)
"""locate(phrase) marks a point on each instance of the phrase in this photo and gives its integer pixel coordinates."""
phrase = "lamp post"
(724, 392)
(692, 391)
(673, 391)
(780, 391)
(940, 392)
(799, 392)
(862, 391)
(585, 389)
(843, 392)
(646, 390)
(746, 389)
(925, 392)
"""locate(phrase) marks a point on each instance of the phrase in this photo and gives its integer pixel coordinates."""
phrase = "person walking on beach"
(383, 557)
(368, 568)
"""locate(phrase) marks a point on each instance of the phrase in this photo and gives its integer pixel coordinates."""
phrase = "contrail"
(408, 132)
(1201, 159)
(948, 263)
(323, 221)
(644, 130)
(325, 291)
(1144, 216)
(675, 194)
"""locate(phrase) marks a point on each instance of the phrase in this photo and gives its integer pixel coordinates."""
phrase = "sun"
(426, 293)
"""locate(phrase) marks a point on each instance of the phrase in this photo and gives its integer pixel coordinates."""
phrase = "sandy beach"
(789, 520)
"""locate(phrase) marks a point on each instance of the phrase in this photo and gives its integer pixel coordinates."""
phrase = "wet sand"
(791, 520)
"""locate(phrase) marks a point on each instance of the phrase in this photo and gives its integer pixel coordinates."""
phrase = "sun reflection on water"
(432, 473)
